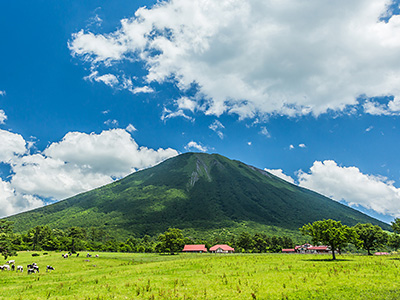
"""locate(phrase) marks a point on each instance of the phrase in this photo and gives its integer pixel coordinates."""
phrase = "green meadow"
(203, 276)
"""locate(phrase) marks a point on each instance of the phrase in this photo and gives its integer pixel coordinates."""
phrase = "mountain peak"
(197, 192)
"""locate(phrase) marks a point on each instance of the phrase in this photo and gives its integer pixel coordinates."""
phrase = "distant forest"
(43, 238)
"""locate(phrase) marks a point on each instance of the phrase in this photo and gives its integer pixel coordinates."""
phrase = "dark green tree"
(6, 246)
(371, 236)
(396, 225)
(245, 241)
(76, 234)
(331, 233)
(394, 241)
(170, 241)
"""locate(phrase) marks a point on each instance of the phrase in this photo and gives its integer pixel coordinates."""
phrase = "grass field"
(203, 276)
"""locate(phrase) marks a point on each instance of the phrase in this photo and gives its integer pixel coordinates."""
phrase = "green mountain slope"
(195, 192)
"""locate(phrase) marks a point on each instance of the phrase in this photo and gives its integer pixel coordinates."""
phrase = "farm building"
(222, 249)
(307, 248)
(195, 248)
(288, 251)
(318, 249)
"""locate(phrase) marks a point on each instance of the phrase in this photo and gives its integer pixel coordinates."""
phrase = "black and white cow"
(49, 268)
(20, 268)
(31, 271)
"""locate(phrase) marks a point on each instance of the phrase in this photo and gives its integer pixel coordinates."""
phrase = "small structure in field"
(288, 251)
(222, 249)
(319, 249)
(308, 249)
(381, 253)
(195, 248)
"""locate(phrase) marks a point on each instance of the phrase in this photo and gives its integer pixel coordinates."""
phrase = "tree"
(394, 241)
(76, 234)
(6, 246)
(331, 233)
(171, 241)
(245, 241)
(396, 225)
(371, 237)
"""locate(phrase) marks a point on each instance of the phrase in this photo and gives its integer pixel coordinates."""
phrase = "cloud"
(252, 57)
(369, 128)
(3, 116)
(2, 93)
(291, 147)
(111, 123)
(186, 103)
(264, 131)
(350, 184)
(193, 145)
(12, 145)
(217, 126)
(279, 173)
(79, 162)
(130, 128)
(169, 114)
(392, 108)
(143, 89)
(12, 202)
(302, 146)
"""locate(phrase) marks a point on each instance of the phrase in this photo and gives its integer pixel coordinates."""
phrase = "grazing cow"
(77, 255)
(20, 268)
(1, 268)
(11, 262)
(88, 255)
(66, 255)
(31, 271)
(49, 268)
(6, 267)
(12, 267)
(96, 255)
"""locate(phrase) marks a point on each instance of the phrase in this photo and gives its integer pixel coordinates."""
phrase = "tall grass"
(204, 276)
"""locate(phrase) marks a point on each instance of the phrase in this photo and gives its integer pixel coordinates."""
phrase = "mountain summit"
(196, 192)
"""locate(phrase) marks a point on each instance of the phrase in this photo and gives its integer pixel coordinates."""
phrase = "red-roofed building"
(222, 249)
(318, 249)
(288, 251)
(195, 248)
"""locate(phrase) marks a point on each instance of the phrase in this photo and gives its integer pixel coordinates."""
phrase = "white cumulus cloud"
(260, 56)
(11, 146)
(3, 116)
(279, 173)
(77, 163)
(194, 145)
(350, 184)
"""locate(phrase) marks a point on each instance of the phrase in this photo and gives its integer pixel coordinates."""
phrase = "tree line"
(327, 232)
(363, 236)
(43, 238)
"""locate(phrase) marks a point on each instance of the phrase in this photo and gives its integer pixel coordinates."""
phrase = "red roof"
(318, 248)
(223, 247)
(288, 250)
(195, 248)
(381, 253)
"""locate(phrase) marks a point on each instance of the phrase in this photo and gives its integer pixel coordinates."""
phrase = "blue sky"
(91, 91)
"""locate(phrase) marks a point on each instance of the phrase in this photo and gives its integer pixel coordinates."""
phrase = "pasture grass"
(203, 276)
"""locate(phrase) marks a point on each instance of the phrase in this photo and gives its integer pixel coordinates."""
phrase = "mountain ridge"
(196, 192)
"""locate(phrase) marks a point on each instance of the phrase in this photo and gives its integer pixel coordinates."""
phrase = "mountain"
(199, 193)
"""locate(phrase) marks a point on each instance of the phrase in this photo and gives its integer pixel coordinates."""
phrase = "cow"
(49, 268)
(6, 267)
(20, 268)
(11, 262)
(12, 267)
(31, 271)
(66, 255)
